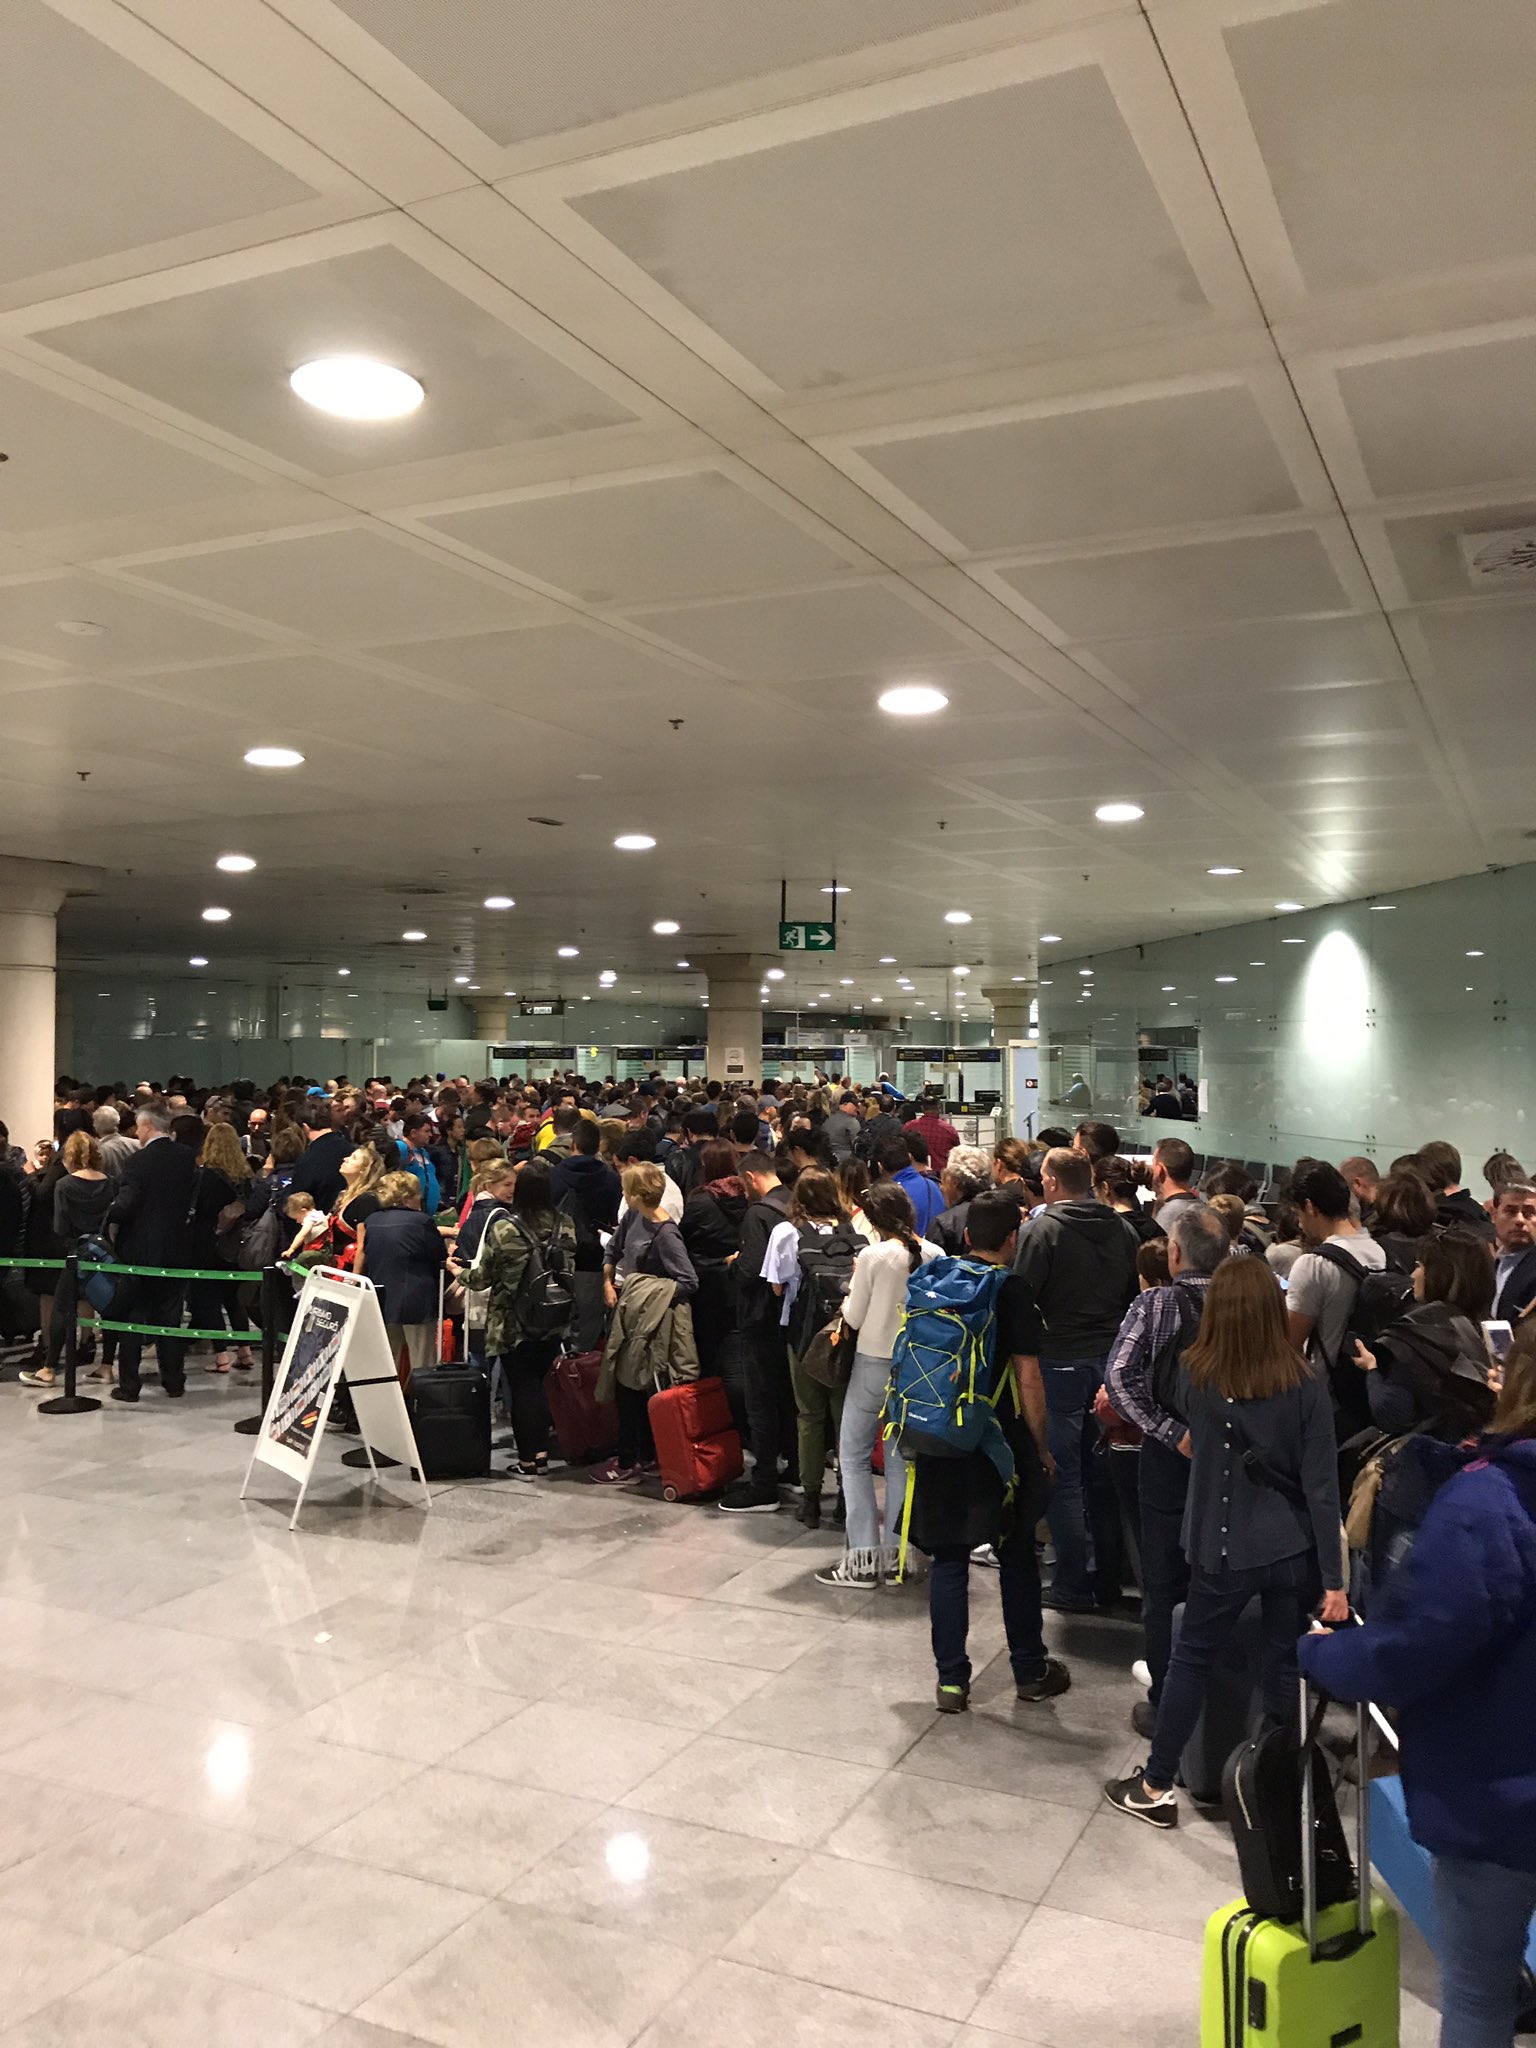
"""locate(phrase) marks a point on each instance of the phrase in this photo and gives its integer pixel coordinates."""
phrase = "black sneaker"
(951, 1699)
(742, 1497)
(1144, 1719)
(1053, 1681)
(125, 1394)
(808, 1514)
(1130, 1795)
(1067, 1603)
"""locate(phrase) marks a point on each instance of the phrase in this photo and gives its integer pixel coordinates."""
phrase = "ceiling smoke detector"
(1505, 558)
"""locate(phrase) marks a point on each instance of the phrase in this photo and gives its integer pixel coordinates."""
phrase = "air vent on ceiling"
(1505, 558)
(413, 889)
(546, 821)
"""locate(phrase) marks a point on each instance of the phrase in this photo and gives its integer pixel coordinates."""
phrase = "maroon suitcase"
(697, 1446)
(585, 1428)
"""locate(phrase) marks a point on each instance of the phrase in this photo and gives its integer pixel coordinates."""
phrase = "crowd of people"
(1313, 1400)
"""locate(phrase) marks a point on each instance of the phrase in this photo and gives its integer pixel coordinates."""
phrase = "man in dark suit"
(318, 1171)
(1514, 1256)
(152, 1218)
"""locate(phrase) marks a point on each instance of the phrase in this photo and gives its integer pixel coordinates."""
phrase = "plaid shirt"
(1151, 1321)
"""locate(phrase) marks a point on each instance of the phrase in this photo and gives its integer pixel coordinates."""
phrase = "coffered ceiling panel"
(353, 587)
(40, 618)
(781, 252)
(1428, 549)
(518, 68)
(812, 633)
(223, 354)
(1172, 459)
(1397, 133)
(1436, 420)
(106, 158)
(1167, 589)
(561, 664)
(624, 543)
(1301, 655)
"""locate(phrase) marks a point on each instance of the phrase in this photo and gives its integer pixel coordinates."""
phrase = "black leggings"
(525, 1366)
(636, 1444)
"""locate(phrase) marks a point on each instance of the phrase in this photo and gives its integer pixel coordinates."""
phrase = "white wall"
(1374, 1034)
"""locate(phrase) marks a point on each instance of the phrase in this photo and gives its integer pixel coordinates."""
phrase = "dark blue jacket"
(1452, 1645)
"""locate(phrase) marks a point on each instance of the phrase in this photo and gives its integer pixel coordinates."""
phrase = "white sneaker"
(1141, 1674)
(985, 1554)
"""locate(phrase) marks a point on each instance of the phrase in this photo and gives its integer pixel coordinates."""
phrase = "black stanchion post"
(67, 1304)
(251, 1424)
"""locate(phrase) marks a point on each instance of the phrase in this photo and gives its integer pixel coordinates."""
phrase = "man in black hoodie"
(771, 1419)
(587, 1188)
(1440, 1164)
(1077, 1259)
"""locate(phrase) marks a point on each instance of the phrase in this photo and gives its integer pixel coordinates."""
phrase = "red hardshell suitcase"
(697, 1446)
(585, 1428)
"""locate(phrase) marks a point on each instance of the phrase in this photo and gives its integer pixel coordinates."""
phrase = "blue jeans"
(1485, 1913)
(949, 1608)
(1083, 1497)
(1211, 1612)
(863, 1400)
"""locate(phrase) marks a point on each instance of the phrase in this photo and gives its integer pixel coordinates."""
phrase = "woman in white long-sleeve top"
(873, 1310)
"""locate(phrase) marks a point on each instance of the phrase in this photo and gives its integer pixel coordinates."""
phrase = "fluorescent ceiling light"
(357, 388)
(835, 889)
(498, 903)
(1119, 814)
(666, 927)
(235, 863)
(957, 917)
(887, 959)
(1050, 938)
(215, 914)
(1226, 977)
(569, 952)
(1290, 906)
(273, 757)
(1223, 871)
(343, 972)
(634, 842)
(912, 700)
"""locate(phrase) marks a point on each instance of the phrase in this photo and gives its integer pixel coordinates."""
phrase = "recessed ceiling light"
(774, 974)
(666, 927)
(1226, 977)
(636, 991)
(825, 994)
(461, 981)
(962, 970)
(197, 960)
(877, 999)
(847, 982)
(835, 889)
(357, 388)
(586, 999)
(568, 952)
(498, 903)
(811, 1005)
(343, 972)
(235, 863)
(634, 842)
(413, 938)
(1169, 987)
(1474, 953)
(1290, 906)
(1050, 938)
(216, 914)
(682, 963)
(912, 700)
(1383, 906)
(1223, 871)
(1085, 970)
(513, 992)
(957, 917)
(587, 775)
(1119, 814)
(887, 959)
(1256, 963)
(1293, 942)
(273, 757)
(1047, 984)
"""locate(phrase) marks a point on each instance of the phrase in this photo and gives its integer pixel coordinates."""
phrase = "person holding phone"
(1452, 1647)
(1262, 1519)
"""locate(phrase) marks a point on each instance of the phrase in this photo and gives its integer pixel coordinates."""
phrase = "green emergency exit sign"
(807, 938)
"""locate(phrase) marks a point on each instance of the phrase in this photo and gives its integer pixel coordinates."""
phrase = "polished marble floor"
(550, 1765)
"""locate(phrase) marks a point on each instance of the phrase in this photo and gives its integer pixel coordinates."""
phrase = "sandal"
(43, 1377)
(218, 1363)
(244, 1361)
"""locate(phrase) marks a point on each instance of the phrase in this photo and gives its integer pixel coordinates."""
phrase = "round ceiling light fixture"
(957, 917)
(962, 970)
(413, 938)
(273, 757)
(1290, 906)
(568, 952)
(1119, 814)
(666, 927)
(235, 863)
(1050, 938)
(773, 974)
(912, 700)
(216, 914)
(357, 388)
(198, 960)
(634, 842)
(1223, 871)
(499, 903)
(344, 972)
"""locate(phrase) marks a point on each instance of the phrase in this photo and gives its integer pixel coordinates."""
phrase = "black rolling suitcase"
(451, 1414)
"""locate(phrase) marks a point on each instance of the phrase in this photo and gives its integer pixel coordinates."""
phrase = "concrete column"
(1010, 1011)
(490, 1018)
(735, 1033)
(30, 894)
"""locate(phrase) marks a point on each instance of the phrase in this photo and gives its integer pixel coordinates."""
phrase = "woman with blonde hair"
(219, 1212)
(402, 1252)
(361, 1172)
(1262, 1520)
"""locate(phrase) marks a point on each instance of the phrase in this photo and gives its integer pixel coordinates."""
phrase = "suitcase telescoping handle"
(1312, 1705)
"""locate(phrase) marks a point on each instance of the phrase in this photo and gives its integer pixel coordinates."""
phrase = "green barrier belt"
(140, 1272)
(220, 1337)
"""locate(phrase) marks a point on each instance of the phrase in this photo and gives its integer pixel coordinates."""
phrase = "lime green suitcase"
(1329, 1981)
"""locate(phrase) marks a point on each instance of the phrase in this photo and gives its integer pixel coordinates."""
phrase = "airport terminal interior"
(692, 694)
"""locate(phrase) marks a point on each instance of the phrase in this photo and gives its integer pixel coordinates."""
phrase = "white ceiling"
(1133, 371)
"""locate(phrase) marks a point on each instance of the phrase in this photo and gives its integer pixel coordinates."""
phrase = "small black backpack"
(826, 1274)
(545, 1304)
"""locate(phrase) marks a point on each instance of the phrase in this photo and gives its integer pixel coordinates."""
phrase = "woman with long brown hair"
(1263, 1515)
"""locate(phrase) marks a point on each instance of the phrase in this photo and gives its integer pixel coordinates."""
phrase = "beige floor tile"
(456, 1829)
(339, 1930)
(883, 1934)
(798, 1711)
(272, 1782)
(558, 1747)
(961, 1834)
(761, 1640)
(1071, 1982)
(408, 1715)
(254, 1683)
(37, 1708)
(503, 1656)
(729, 2003)
(1121, 1870)
(41, 1961)
(657, 1879)
(517, 1969)
(146, 2003)
(1025, 1750)
(37, 1815)
(134, 1876)
(649, 1685)
(596, 1613)
(778, 1795)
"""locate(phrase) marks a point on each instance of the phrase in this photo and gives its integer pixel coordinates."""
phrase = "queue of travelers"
(1198, 1393)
